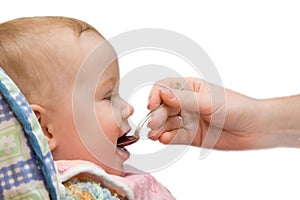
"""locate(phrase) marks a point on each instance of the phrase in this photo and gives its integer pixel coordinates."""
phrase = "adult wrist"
(279, 122)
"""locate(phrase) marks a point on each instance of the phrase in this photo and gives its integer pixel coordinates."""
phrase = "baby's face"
(89, 116)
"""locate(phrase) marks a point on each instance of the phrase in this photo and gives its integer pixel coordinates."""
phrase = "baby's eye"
(108, 97)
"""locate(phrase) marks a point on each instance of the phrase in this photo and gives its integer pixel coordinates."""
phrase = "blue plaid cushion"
(26, 166)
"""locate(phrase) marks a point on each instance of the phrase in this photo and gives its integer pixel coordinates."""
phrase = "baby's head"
(43, 56)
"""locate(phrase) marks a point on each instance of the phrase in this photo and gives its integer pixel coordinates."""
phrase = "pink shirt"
(137, 186)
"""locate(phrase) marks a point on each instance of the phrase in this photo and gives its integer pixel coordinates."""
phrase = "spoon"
(126, 140)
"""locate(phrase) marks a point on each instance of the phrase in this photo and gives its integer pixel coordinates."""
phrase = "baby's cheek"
(108, 127)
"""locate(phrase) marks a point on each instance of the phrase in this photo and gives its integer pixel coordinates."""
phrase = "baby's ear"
(40, 114)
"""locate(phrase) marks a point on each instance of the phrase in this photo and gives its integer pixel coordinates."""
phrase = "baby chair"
(26, 166)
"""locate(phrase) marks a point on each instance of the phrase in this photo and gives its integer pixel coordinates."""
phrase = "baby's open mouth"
(126, 140)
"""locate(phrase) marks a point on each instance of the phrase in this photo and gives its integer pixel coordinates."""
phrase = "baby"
(43, 56)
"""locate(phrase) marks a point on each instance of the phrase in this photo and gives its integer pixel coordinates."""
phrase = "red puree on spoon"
(126, 140)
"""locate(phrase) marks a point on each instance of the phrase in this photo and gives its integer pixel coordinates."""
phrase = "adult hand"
(206, 115)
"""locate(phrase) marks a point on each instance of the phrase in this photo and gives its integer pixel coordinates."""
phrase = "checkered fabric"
(5, 112)
(26, 166)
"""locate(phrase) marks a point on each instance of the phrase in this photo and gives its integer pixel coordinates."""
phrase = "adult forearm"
(280, 122)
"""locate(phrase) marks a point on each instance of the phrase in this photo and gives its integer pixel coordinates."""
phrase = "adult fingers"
(171, 123)
(178, 136)
(154, 96)
(160, 115)
(184, 100)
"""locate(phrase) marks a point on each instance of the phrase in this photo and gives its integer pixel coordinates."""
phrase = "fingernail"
(155, 106)
(166, 91)
(152, 134)
(149, 98)
(148, 104)
(148, 121)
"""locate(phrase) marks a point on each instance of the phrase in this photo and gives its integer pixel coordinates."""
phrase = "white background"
(255, 46)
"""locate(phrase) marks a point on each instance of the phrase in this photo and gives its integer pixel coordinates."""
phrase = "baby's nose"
(127, 111)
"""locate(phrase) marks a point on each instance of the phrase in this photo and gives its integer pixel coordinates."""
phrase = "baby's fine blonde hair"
(27, 56)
